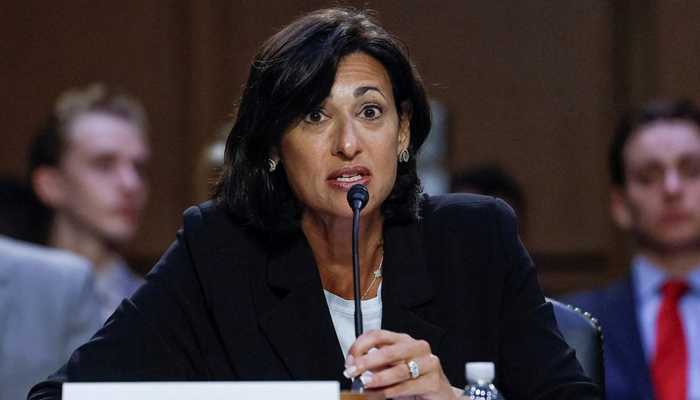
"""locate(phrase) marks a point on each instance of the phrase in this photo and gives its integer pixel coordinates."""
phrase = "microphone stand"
(358, 196)
(356, 271)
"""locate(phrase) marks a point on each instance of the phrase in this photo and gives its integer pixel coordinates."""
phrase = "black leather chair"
(583, 334)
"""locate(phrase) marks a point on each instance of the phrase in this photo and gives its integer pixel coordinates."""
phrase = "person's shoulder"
(208, 213)
(195, 215)
(468, 217)
(31, 259)
(467, 204)
(599, 299)
(211, 226)
(61, 277)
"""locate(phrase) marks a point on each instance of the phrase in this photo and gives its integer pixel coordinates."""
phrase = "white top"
(114, 284)
(343, 315)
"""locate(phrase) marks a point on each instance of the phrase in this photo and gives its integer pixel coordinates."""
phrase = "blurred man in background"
(89, 164)
(492, 180)
(48, 307)
(651, 320)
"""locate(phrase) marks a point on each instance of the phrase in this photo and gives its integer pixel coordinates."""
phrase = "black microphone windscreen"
(358, 197)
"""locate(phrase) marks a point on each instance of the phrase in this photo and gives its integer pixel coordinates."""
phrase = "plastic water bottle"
(480, 382)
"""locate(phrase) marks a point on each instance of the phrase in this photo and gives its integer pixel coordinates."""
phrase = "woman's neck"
(331, 243)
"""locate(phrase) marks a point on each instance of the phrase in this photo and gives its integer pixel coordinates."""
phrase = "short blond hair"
(50, 141)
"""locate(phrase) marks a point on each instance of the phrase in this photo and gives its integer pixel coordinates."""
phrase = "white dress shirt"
(647, 280)
(114, 284)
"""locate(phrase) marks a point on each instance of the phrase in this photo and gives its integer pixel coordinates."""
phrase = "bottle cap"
(480, 371)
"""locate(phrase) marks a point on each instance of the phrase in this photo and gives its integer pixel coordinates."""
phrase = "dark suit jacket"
(626, 372)
(227, 303)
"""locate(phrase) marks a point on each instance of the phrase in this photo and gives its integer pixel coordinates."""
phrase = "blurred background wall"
(534, 86)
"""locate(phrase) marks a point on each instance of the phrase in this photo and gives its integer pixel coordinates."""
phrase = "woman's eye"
(372, 112)
(314, 117)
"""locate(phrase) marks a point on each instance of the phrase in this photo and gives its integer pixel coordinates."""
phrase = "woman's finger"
(409, 371)
(375, 338)
(400, 366)
(432, 384)
(387, 355)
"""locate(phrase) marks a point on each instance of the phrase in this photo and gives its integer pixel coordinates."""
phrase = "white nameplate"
(299, 390)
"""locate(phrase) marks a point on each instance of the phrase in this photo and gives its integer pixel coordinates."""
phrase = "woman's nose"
(347, 143)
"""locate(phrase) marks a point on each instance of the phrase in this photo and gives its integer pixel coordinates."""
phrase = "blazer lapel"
(407, 285)
(297, 322)
(629, 343)
(291, 310)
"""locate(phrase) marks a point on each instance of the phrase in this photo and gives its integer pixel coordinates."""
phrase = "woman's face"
(354, 136)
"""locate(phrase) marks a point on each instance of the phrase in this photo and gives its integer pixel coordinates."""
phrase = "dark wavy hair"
(647, 113)
(291, 75)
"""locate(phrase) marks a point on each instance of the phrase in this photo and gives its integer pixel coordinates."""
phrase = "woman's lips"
(345, 178)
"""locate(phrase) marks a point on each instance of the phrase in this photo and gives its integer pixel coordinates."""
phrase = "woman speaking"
(259, 284)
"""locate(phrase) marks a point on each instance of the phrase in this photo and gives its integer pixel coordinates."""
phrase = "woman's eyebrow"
(364, 89)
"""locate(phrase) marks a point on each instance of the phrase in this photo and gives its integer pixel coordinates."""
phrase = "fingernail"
(349, 360)
(350, 371)
(372, 350)
(365, 379)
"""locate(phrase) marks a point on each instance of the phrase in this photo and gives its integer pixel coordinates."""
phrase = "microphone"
(358, 197)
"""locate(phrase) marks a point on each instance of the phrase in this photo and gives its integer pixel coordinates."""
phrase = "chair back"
(582, 332)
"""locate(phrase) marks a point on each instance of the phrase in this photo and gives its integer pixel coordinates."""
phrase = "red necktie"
(669, 369)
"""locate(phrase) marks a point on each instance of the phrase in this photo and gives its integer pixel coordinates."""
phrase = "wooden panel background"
(535, 86)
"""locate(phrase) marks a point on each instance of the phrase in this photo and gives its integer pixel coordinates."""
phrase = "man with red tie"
(651, 319)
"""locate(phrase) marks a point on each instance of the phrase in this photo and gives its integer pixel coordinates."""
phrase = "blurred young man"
(89, 165)
(651, 320)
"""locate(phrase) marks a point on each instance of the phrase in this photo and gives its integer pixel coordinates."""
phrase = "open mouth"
(345, 178)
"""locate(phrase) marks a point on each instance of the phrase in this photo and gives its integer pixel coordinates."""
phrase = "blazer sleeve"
(535, 360)
(156, 335)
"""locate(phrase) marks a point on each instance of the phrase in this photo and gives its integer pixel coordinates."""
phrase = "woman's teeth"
(349, 178)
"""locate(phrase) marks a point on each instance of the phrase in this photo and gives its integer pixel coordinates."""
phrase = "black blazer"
(227, 303)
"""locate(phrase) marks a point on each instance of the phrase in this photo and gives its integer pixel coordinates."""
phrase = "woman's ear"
(620, 209)
(48, 185)
(405, 124)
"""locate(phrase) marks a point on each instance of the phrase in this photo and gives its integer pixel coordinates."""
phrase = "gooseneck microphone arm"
(356, 271)
(358, 196)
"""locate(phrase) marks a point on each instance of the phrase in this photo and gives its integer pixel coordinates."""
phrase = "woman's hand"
(390, 356)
